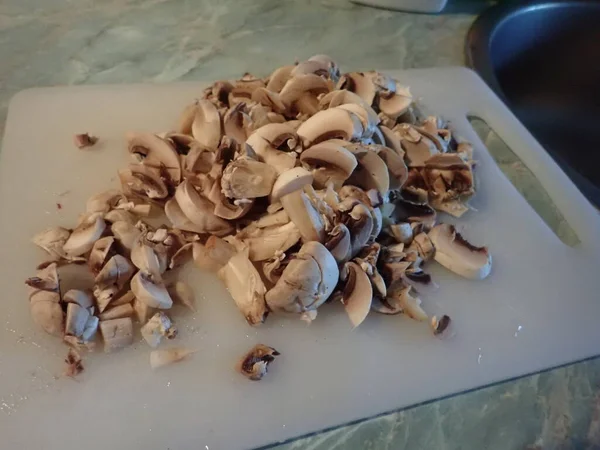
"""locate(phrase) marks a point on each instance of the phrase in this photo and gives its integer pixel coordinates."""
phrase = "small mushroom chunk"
(199, 211)
(402, 232)
(396, 104)
(111, 280)
(330, 162)
(357, 294)
(84, 140)
(419, 280)
(212, 255)
(245, 178)
(263, 243)
(440, 325)
(306, 282)
(206, 127)
(413, 213)
(141, 180)
(398, 173)
(450, 183)
(459, 256)
(423, 245)
(76, 320)
(289, 181)
(152, 293)
(44, 300)
(116, 333)
(360, 84)
(83, 237)
(274, 267)
(81, 298)
(279, 77)
(116, 312)
(255, 363)
(52, 240)
(161, 358)
(158, 326)
(304, 215)
(156, 152)
(410, 304)
(388, 306)
(74, 363)
(418, 147)
(101, 250)
(357, 217)
(142, 311)
(246, 287)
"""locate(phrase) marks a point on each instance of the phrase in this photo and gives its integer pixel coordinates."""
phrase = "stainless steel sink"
(543, 59)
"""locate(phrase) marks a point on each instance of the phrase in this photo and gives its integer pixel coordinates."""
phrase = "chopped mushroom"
(84, 140)
(255, 363)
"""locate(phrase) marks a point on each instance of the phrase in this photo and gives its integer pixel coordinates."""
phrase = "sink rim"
(482, 32)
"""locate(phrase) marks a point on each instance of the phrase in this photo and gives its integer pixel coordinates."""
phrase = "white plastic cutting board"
(539, 308)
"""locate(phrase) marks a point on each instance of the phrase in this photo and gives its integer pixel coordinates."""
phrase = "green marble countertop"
(58, 42)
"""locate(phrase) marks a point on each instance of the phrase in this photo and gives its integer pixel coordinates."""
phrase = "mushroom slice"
(44, 300)
(143, 181)
(357, 217)
(338, 242)
(459, 256)
(182, 293)
(440, 325)
(245, 178)
(360, 84)
(402, 232)
(101, 250)
(111, 279)
(368, 118)
(76, 319)
(178, 219)
(372, 172)
(83, 237)
(421, 213)
(304, 215)
(423, 245)
(419, 280)
(155, 152)
(411, 305)
(255, 363)
(274, 144)
(270, 99)
(330, 162)
(330, 124)
(279, 77)
(199, 211)
(119, 215)
(218, 93)
(274, 267)
(357, 294)
(154, 294)
(418, 148)
(158, 326)
(391, 140)
(265, 242)
(213, 255)
(149, 258)
(397, 104)
(237, 122)
(117, 333)
(206, 127)
(246, 287)
(300, 87)
(306, 282)
(52, 240)
(289, 181)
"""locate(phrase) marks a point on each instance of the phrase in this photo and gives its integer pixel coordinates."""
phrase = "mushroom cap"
(360, 84)
(267, 141)
(459, 256)
(266, 242)
(371, 172)
(279, 77)
(417, 147)
(397, 104)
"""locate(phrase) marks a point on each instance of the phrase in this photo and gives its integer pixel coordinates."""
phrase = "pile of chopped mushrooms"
(300, 188)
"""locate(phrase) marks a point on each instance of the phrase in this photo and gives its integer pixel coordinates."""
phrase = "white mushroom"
(246, 178)
(357, 294)
(100, 251)
(411, 305)
(182, 293)
(52, 240)
(206, 127)
(289, 181)
(304, 215)
(212, 255)
(117, 333)
(83, 237)
(154, 294)
(275, 145)
(331, 163)
(44, 300)
(156, 152)
(111, 280)
(263, 243)
(199, 211)
(334, 123)
(255, 363)
(458, 255)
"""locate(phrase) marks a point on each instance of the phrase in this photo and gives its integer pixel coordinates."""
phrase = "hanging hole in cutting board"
(524, 181)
